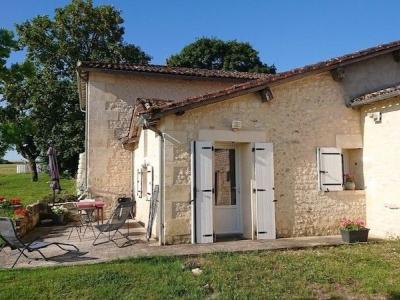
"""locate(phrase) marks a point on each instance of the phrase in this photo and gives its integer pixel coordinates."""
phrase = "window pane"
(225, 177)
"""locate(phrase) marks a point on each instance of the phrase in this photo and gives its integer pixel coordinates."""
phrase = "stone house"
(248, 155)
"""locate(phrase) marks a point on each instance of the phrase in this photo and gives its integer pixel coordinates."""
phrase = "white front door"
(227, 216)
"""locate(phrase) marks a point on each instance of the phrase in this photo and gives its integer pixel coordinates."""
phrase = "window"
(144, 182)
(225, 177)
(330, 169)
(338, 167)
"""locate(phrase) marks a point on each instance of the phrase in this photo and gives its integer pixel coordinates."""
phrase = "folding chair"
(84, 220)
(10, 237)
(115, 223)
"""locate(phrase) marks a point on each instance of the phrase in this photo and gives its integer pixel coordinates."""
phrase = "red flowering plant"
(20, 213)
(348, 178)
(15, 201)
(352, 225)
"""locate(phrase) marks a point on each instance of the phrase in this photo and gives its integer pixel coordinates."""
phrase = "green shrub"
(60, 198)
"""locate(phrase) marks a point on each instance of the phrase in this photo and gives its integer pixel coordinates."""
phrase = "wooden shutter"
(149, 178)
(264, 191)
(204, 191)
(330, 169)
(139, 180)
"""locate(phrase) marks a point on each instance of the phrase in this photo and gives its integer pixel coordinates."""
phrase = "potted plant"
(349, 182)
(353, 231)
(4, 203)
(59, 213)
(19, 215)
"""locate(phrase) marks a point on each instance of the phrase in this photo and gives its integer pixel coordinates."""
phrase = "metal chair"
(115, 223)
(84, 220)
(11, 239)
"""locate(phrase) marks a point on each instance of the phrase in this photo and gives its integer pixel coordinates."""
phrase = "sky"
(287, 33)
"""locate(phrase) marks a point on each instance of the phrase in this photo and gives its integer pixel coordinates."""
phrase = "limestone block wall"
(147, 154)
(111, 97)
(304, 114)
(381, 167)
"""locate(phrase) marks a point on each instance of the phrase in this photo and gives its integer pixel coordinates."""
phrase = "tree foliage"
(78, 32)
(7, 45)
(18, 126)
(212, 53)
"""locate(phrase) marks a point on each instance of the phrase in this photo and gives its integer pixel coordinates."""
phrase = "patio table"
(89, 205)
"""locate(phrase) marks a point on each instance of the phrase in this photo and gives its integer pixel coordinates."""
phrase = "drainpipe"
(161, 207)
(86, 111)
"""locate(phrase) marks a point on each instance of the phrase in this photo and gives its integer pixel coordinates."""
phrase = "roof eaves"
(376, 96)
(195, 102)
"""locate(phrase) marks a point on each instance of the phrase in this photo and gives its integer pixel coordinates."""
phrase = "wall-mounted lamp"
(377, 116)
(236, 125)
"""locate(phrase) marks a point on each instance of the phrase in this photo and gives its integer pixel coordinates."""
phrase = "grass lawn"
(20, 185)
(358, 272)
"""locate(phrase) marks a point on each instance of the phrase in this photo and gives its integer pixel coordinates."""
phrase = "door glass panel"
(225, 177)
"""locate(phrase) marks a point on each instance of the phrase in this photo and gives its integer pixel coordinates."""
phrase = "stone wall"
(302, 116)
(111, 97)
(30, 221)
(381, 167)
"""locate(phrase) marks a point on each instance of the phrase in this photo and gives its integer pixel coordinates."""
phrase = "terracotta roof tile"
(170, 70)
(376, 96)
(264, 82)
(233, 91)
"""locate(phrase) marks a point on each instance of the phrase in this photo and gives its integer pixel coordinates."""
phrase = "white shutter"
(264, 191)
(204, 191)
(150, 180)
(139, 188)
(330, 169)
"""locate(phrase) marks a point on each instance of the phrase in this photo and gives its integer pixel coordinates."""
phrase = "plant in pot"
(349, 182)
(58, 214)
(353, 231)
(19, 215)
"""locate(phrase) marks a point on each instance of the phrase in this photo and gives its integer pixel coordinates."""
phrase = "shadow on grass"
(394, 296)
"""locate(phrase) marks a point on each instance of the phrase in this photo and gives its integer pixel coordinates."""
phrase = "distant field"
(8, 169)
(21, 185)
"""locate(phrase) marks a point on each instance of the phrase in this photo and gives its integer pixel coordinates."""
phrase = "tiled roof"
(233, 91)
(376, 96)
(258, 84)
(158, 69)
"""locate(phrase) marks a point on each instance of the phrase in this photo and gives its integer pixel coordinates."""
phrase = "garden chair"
(83, 217)
(115, 223)
(11, 239)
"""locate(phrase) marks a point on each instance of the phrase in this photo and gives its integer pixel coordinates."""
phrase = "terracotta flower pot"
(355, 236)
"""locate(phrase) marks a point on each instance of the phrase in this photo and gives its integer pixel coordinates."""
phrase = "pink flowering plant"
(352, 225)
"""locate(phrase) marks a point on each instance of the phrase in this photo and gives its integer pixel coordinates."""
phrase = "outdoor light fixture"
(377, 116)
(236, 125)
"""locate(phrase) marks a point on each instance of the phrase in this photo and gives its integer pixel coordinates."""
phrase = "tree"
(7, 45)
(212, 53)
(78, 31)
(18, 126)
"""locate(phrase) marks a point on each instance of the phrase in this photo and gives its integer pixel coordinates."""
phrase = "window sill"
(347, 192)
